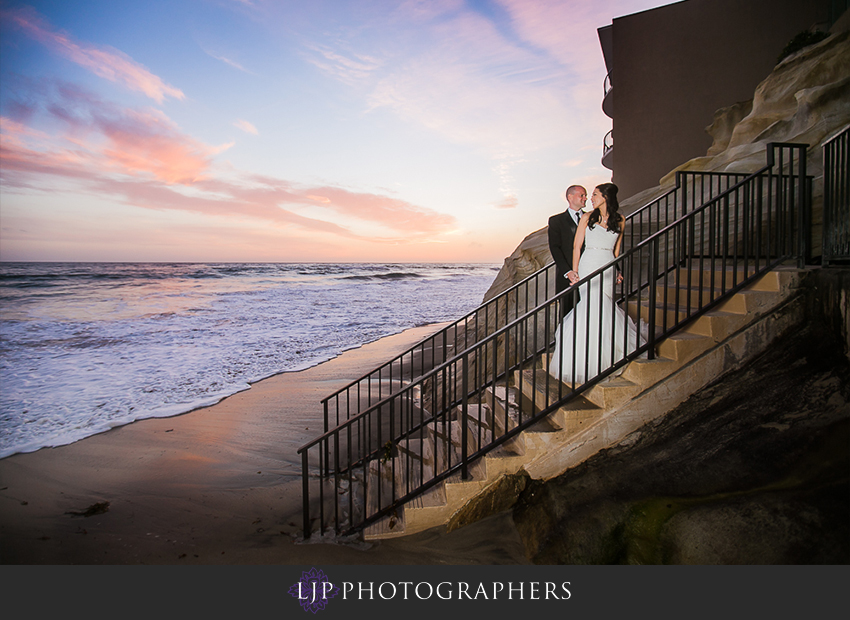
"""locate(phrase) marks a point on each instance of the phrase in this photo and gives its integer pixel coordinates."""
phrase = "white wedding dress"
(596, 320)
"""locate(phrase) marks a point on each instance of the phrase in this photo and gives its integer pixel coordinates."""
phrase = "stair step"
(481, 423)
(747, 300)
(704, 274)
(540, 388)
(715, 323)
(501, 408)
(410, 475)
(778, 279)
(390, 526)
(646, 373)
(506, 416)
(543, 390)
(682, 347)
(612, 391)
(501, 464)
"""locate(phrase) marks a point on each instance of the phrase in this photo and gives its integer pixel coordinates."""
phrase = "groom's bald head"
(576, 197)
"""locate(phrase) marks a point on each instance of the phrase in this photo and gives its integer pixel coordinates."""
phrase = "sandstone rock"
(725, 120)
(804, 100)
(498, 497)
(531, 255)
(751, 470)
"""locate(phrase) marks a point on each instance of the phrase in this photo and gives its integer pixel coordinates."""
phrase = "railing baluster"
(305, 494)
(464, 418)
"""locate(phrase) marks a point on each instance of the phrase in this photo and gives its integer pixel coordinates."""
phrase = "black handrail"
(442, 345)
(690, 190)
(740, 233)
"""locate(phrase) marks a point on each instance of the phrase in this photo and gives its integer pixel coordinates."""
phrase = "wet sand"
(218, 485)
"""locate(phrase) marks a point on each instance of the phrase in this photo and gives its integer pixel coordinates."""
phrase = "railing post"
(324, 460)
(305, 495)
(828, 231)
(464, 418)
(336, 484)
(804, 217)
(684, 184)
(653, 299)
(390, 451)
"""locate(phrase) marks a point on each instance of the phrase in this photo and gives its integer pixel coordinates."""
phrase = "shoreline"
(423, 330)
(220, 484)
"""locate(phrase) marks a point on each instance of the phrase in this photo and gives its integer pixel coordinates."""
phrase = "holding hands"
(572, 276)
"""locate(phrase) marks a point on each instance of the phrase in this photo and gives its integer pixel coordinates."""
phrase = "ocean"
(85, 347)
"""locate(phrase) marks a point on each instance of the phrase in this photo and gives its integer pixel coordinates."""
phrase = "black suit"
(562, 232)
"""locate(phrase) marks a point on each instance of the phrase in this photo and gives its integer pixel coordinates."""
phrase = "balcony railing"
(608, 97)
(608, 150)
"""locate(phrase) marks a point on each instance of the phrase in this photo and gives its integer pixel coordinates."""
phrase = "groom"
(562, 231)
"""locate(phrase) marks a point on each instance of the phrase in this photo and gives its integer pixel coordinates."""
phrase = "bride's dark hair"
(609, 193)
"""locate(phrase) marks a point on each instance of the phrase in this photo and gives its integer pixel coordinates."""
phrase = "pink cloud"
(150, 195)
(246, 127)
(14, 132)
(105, 62)
(127, 140)
(22, 166)
(140, 158)
(147, 142)
(392, 212)
(509, 202)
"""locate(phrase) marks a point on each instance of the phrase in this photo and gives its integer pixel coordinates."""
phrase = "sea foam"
(88, 347)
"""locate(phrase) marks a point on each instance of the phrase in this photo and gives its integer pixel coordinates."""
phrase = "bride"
(596, 333)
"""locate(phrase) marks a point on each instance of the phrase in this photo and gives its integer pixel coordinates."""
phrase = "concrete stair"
(598, 418)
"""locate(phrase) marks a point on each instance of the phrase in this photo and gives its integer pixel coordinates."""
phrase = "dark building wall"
(674, 66)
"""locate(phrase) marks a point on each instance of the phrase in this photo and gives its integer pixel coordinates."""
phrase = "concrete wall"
(674, 66)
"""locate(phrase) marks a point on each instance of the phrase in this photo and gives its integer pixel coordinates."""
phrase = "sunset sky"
(295, 130)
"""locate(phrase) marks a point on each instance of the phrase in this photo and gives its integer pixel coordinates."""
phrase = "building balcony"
(608, 150)
(608, 97)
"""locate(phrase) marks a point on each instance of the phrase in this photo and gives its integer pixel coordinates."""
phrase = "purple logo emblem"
(313, 590)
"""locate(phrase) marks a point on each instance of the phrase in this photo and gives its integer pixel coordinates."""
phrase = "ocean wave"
(106, 351)
(386, 276)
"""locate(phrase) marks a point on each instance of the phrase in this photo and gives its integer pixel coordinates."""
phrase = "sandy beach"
(218, 485)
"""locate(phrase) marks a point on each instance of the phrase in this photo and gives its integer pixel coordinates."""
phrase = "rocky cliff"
(754, 469)
(803, 100)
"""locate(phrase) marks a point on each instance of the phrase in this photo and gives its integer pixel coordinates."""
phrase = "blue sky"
(326, 131)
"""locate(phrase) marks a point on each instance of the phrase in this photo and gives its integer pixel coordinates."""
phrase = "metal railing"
(438, 425)
(434, 350)
(836, 199)
(607, 143)
(690, 190)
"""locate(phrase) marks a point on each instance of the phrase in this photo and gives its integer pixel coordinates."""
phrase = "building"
(670, 68)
